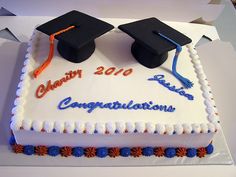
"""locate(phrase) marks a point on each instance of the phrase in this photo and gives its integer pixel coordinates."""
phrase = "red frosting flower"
(114, 152)
(136, 151)
(159, 151)
(201, 152)
(17, 148)
(66, 151)
(90, 152)
(180, 152)
(41, 150)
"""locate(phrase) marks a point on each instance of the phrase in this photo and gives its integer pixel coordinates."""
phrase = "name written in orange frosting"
(42, 89)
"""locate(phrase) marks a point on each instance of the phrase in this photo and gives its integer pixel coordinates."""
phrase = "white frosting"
(48, 126)
(69, 127)
(169, 129)
(27, 123)
(150, 127)
(37, 125)
(217, 125)
(178, 129)
(43, 113)
(120, 127)
(16, 125)
(211, 127)
(79, 127)
(59, 126)
(204, 128)
(140, 127)
(130, 126)
(187, 128)
(196, 128)
(160, 129)
(17, 110)
(14, 118)
(89, 127)
(101, 128)
(111, 127)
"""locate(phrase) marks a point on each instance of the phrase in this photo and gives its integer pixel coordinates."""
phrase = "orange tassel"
(45, 64)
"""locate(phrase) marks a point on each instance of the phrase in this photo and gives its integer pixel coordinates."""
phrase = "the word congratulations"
(91, 106)
(42, 89)
(160, 79)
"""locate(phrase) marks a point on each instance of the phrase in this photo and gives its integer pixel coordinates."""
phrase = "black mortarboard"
(75, 33)
(77, 44)
(149, 48)
(153, 40)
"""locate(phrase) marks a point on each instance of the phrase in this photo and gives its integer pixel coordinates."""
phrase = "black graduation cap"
(153, 40)
(76, 44)
(75, 32)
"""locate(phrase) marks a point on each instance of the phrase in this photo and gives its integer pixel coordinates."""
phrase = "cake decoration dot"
(125, 152)
(181, 152)
(136, 151)
(102, 152)
(77, 151)
(170, 152)
(201, 152)
(41, 150)
(53, 150)
(159, 151)
(147, 151)
(17, 148)
(191, 152)
(90, 152)
(209, 149)
(28, 150)
(66, 151)
(12, 140)
(114, 152)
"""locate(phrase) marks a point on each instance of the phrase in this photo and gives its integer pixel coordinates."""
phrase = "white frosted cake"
(112, 105)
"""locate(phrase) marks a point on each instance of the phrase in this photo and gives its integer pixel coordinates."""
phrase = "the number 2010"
(113, 71)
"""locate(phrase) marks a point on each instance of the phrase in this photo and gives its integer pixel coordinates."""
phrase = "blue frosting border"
(102, 152)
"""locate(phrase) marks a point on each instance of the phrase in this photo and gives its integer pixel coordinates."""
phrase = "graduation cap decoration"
(75, 32)
(153, 40)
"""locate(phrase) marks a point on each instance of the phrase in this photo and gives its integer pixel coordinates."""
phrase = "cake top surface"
(111, 88)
